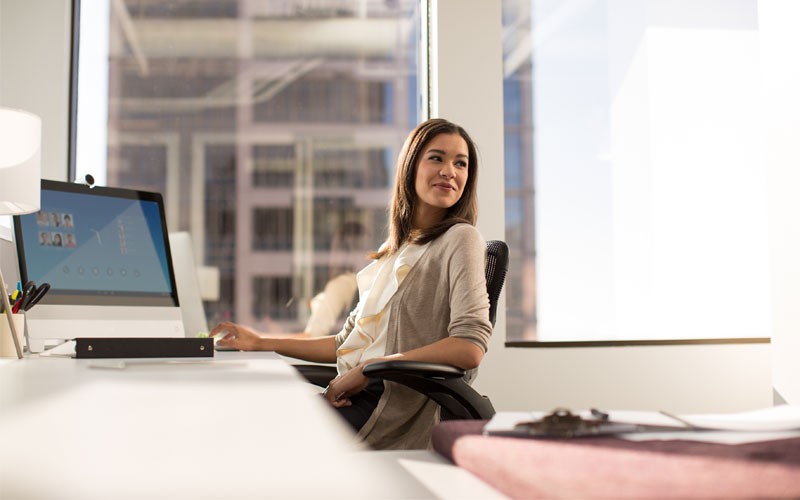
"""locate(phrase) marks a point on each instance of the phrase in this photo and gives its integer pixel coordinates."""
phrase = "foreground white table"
(238, 426)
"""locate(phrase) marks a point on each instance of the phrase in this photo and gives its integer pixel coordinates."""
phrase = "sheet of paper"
(645, 418)
(767, 424)
(505, 420)
(772, 419)
(719, 437)
(66, 349)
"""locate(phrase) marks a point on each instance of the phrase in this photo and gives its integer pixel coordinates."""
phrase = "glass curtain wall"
(635, 180)
(270, 126)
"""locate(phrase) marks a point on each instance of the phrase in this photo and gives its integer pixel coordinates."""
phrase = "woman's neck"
(427, 218)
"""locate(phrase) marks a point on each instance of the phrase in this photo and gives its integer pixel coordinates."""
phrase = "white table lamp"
(20, 178)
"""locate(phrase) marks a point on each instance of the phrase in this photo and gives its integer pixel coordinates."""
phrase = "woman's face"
(442, 172)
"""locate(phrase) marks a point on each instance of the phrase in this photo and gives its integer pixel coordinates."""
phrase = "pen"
(15, 298)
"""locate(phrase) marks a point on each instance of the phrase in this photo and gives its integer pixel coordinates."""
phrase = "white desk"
(239, 426)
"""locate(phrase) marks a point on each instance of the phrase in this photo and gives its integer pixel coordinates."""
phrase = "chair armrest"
(321, 375)
(417, 368)
(444, 384)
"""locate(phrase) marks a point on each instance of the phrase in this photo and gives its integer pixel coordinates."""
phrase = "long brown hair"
(404, 199)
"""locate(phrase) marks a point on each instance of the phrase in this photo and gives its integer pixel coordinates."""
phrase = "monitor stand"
(67, 322)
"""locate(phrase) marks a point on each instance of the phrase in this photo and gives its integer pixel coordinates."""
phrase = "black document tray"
(144, 347)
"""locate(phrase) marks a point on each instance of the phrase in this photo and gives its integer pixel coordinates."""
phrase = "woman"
(423, 298)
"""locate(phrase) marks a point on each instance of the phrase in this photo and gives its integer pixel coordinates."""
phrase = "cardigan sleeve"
(465, 255)
(347, 328)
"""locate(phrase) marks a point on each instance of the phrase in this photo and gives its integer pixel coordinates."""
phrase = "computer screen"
(105, 253)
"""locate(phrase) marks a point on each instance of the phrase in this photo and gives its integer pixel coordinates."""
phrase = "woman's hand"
(342, 387)
(237, 336)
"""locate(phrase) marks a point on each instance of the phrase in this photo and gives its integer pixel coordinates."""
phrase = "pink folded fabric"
(614, 468)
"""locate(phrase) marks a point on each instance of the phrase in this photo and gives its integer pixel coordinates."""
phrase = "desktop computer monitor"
(105, 253)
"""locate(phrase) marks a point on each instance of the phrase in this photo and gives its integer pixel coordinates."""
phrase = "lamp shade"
(20, 162)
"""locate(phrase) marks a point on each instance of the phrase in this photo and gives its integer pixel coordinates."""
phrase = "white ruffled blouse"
(377, 284)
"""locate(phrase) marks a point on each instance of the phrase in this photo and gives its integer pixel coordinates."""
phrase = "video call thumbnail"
(56, 229)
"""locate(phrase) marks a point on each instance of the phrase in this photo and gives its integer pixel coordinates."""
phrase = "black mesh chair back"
(496, 270)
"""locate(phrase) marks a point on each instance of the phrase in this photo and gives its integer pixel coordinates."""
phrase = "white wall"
(34, 76)
(680, 378)
(34, 71)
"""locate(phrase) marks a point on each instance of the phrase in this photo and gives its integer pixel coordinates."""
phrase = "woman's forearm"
(317, 350)
(450, 351)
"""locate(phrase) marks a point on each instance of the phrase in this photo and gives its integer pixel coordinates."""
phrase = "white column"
(467, 68)
(780, 73)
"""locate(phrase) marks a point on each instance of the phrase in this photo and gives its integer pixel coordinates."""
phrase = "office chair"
(444, 384)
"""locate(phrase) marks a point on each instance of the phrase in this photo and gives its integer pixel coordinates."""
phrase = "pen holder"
(7, 349)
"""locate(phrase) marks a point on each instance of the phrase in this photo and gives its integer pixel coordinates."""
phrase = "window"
(273, 229)
(272, 299)
(636, 197)
(274, 165)
(264, 124)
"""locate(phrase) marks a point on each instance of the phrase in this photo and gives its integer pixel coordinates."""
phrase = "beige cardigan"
(443, 295)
